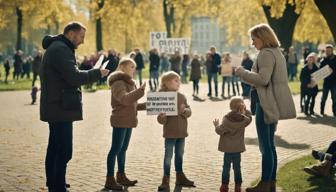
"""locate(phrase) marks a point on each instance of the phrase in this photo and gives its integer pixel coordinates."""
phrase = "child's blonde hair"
(235, 103)
(125, 61)
(166, 77)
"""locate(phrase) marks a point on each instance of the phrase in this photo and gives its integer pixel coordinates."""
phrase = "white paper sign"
(235, 61)
(170, 45)
(162, 102)
(160, 41)
(105, 64)
(322, 73)
(99, 62)
(155, 37)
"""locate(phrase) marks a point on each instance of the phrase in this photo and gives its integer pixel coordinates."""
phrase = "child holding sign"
(174, 132)
(124, 117)
(231, 141)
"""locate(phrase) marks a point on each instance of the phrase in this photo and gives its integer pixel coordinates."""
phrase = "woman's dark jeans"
(59, 153)
(266, 146)
(120, 141)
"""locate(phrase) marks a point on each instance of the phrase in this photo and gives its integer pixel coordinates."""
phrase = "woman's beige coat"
(269, 77)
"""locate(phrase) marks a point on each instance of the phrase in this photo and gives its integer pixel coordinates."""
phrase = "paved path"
(23, 140)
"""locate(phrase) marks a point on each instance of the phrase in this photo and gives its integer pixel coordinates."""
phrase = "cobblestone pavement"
(23, 140)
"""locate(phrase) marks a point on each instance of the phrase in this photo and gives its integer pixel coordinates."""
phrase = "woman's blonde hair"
(167, 77)
(266, 34)
(125, 61)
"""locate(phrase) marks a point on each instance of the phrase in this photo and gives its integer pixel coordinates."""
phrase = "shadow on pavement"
(107, 190)
(177, 188)
(279, 143)
(322, 184)
(325, 120)
(196, 98)
(215, 99)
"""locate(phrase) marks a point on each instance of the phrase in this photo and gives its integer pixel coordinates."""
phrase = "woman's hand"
(239, 70)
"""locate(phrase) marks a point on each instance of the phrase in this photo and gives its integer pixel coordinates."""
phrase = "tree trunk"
(99, 31)
(48, 30)
(183, 23)
(57, 26)
(168, 18)
(284, 26)
(327, 8)
(128, 42)
(19, 29)
(99, 35)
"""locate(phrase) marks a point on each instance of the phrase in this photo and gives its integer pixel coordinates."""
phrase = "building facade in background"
(206, 32)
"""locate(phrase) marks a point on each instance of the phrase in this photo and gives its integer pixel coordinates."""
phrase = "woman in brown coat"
(195, 74)
(124, 117)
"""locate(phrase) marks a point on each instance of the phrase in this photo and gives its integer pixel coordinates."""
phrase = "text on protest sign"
(170, 45)
(160, 41)
(155, 37)
(162, 102)
(322, 73)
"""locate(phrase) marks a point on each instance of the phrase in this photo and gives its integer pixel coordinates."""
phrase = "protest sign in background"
(155, 37)
(160, 41)
(321, 73)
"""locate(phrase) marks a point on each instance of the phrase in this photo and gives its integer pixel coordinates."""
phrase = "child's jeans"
(233, 158)
(179, 150)
(120, 140)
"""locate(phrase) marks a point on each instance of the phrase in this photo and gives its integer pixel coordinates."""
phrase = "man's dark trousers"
(59, 153)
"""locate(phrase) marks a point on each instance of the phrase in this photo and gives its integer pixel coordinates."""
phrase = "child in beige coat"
(231, 142)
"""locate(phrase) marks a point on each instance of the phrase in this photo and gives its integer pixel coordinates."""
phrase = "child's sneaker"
(224, 188)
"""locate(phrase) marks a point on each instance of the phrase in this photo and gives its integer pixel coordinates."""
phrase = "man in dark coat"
(247, 64)
(36, 66)
(329, 83)
(216, 62)
(18, 62)
(154, 64)
(140, 64)
(113, 60)
(60, 102)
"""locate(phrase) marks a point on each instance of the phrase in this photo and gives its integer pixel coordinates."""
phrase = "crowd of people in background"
(192, 67)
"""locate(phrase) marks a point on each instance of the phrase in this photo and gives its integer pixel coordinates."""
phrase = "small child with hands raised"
(231, 142)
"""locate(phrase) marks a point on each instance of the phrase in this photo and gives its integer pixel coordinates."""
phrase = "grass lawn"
(21, 84)
(292, 178)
